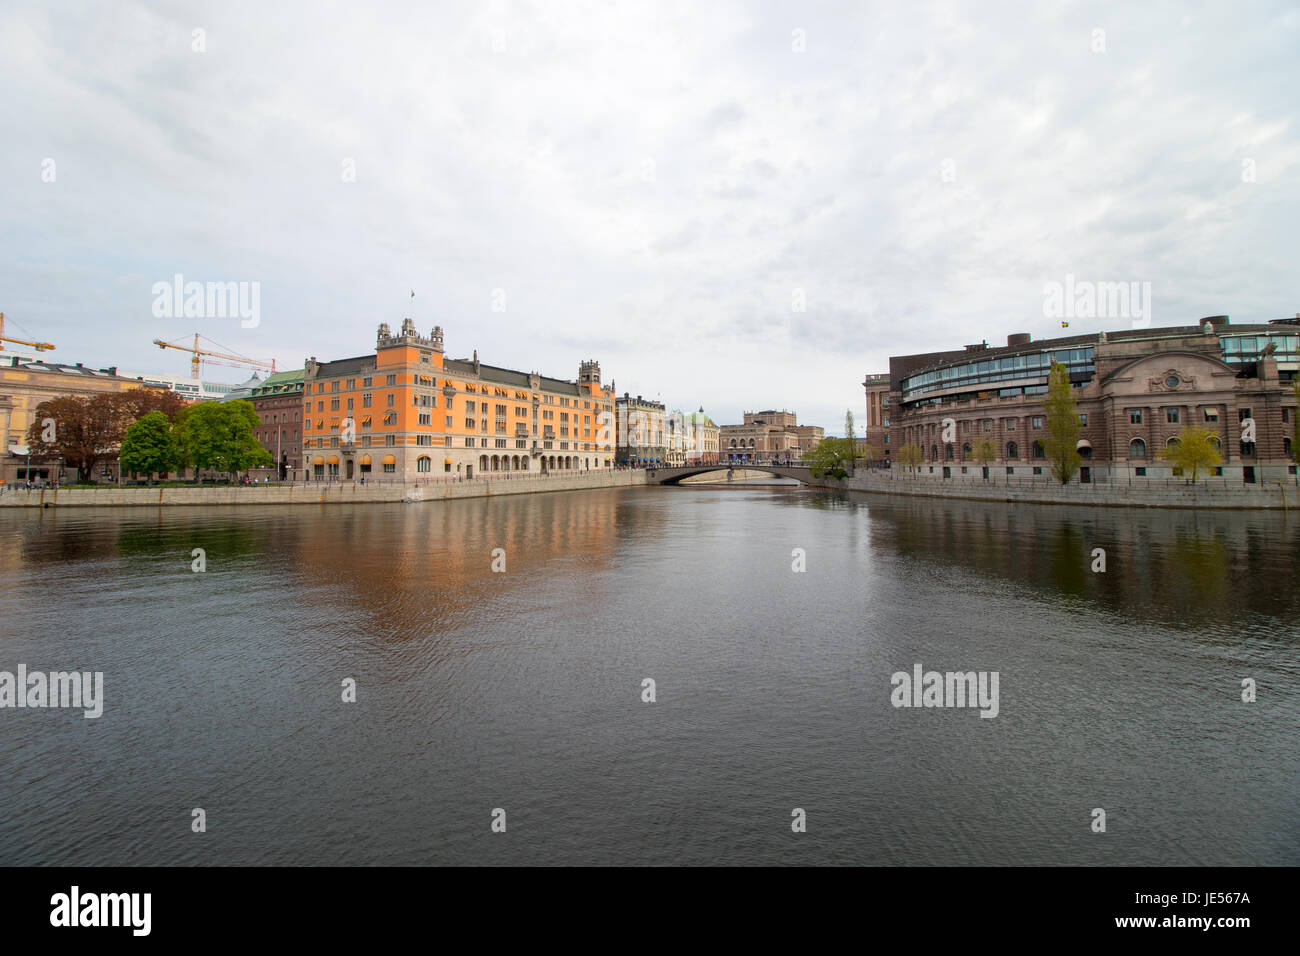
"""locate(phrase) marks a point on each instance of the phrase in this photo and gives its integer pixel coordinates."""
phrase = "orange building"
(407, 412)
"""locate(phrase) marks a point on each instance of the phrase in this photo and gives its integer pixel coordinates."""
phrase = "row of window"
(1076, 361)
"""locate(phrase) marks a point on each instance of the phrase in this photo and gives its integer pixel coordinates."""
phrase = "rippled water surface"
(522, 690)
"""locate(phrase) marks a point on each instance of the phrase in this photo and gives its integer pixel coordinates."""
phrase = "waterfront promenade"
(1161, 493)
(321, 492)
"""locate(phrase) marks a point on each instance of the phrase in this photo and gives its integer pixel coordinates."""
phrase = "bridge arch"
(672, 476)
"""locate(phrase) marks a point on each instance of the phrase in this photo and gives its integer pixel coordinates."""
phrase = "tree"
(83, 430)
(136, 403)
(1063, 427)
(149, 445)
(910, 455)
(830, 456)
(219, 436)
(984, 451)
(1194, 448)
(848, 425)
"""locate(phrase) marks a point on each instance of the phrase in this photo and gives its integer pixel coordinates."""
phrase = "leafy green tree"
(219, 436)
(1194, 448)
(830, 456)
(984, 452)
(149, 446)
(1063, 427)
(848, 424)
(910, 456)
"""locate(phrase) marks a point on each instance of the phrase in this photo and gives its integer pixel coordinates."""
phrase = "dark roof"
(347, 366)
(506, 376)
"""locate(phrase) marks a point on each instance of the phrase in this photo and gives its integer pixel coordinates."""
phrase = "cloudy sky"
(733, 205)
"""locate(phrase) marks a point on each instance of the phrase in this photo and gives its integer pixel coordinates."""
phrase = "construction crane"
(211, 357)
(39, 346)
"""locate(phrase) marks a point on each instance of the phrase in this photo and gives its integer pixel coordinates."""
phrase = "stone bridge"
(671, 476)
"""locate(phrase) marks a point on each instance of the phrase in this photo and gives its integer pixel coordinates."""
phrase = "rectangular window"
(1140, 472)
(391, 399)
(1212, 415)
(469, 442)
(1135, 416)
(1011, 471)
(334, 404)
(1037, 421)
(367, 399)
(350, 404)
(448, 421)
(1038, 471)
(352, 383)
(1171, 416)
(1083, 418)
(391, 380)
(367, 382)
(390, 440)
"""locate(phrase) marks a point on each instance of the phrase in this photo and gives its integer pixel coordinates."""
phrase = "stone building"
(876, 425)
(407, 412)
(642, 431)
(692, 438)
(768, 434)
(1136, 389)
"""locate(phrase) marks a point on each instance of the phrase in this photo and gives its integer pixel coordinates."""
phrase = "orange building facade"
(409, 413)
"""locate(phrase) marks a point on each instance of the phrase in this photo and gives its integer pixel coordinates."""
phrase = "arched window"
(1137, 448)
(948, 452)
(1173, 443)
(1013, 450)
(1214, 440)
(934, 452)
(1039, 451)
(965, 452)
(482, 463)
(390, 418)
(423, 463)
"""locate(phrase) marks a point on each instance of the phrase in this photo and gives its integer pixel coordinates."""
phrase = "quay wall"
(317, 493)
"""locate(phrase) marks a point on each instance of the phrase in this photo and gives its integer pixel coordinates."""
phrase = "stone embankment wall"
(313, 493)
(1173, 494)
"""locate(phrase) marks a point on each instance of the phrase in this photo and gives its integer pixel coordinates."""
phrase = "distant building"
(1136, 390)
(692, 438)
(197, 391)
(768, 434)
(642, 431)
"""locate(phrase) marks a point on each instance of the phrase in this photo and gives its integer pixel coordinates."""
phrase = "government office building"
(1136, 389)
(406, 412)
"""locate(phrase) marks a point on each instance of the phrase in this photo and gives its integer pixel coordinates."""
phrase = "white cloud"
(649, 183)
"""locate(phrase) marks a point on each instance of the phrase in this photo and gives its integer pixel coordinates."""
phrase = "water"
(522, 690)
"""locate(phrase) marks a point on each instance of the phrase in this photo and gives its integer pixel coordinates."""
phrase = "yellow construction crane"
(39, 346)
(211, 357)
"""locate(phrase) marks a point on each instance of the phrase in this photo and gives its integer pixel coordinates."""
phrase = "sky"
(729, 205)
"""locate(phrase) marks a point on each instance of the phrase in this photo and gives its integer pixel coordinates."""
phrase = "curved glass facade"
(1004, 368)
(1247, 348)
